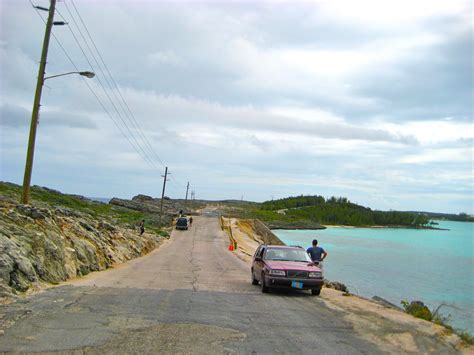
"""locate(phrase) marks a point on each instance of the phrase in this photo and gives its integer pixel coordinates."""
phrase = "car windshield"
(282, 254)
(182, 221)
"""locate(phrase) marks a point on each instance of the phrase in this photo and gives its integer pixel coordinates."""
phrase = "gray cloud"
(15, 116)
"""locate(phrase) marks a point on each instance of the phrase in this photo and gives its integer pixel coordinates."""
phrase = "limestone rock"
(142, 198)
(33, 212)
(53, 244)
(67, 212)
(107, 226)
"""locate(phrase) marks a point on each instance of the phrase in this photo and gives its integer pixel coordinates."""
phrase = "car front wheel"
(264, 287)
(254, 280)
(316, 291)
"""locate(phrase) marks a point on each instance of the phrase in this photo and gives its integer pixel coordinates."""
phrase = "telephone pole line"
(36, 106)
(186, 199)
(163, 193)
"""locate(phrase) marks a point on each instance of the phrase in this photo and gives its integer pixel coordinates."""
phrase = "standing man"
(191, 221)
(142, 226)
(316, 253)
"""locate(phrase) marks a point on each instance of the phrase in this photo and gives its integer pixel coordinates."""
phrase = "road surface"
(190, 295)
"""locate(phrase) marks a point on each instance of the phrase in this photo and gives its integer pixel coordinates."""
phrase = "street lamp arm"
(88, 74)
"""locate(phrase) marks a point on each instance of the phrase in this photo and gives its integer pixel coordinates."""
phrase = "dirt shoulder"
(392, 330)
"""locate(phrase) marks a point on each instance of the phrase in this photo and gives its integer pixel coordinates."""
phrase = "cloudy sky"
(366, 99)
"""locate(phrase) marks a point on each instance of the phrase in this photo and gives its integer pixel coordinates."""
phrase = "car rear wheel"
(254, 280)
(264, 287)
(316, 291)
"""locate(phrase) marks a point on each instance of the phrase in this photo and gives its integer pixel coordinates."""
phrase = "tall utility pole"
(163, 193)
(36, 106)
(186, 200)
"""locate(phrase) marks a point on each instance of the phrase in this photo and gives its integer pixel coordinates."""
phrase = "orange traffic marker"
(231, 247)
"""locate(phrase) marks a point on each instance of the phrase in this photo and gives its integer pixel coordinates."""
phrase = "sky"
(371, 100)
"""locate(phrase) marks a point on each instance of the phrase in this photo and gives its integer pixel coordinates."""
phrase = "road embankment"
(388, 328)
(245, 235)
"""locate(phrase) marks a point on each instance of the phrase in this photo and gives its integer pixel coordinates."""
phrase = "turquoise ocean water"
(433, 266)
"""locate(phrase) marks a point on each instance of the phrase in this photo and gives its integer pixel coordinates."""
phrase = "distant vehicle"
(275, 266)
(182, 223)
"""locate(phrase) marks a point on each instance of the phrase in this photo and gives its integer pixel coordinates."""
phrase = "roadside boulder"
(336, 285)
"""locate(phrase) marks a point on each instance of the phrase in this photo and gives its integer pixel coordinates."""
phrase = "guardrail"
(228, 229)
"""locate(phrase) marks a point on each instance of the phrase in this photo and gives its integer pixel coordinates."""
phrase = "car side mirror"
(257, 258)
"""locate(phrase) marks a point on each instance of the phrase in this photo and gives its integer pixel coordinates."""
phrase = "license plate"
(296, 284)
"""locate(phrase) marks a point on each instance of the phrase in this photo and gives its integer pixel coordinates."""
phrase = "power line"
(120, 103)
(117, 87)
(137, 143)
(88, 85)
(128, 114)
(128, 111)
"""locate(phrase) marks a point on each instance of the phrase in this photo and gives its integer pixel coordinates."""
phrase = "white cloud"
(433, 131)
(165, 57)
(440, 156)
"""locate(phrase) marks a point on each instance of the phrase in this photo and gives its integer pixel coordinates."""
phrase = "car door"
(258, 263)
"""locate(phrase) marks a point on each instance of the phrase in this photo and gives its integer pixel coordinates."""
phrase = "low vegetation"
(420, 310)
(314, 211)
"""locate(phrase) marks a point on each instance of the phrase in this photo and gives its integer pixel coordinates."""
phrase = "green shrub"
(417, 309)
(466, 337)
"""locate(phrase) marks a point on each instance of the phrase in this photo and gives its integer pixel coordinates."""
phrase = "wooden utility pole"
(186, 199)
(163, 193)
(36, 106)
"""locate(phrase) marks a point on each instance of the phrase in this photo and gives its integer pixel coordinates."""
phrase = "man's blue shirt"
(315, 253)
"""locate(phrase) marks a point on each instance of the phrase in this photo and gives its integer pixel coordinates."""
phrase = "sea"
(433, 266)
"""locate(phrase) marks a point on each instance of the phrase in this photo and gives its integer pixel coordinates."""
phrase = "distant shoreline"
(354, 227)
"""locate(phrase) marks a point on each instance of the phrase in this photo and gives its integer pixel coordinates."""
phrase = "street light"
(39, 89)
(34, 122)
(87, 74)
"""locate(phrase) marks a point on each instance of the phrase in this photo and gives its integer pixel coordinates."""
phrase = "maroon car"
(285, 267)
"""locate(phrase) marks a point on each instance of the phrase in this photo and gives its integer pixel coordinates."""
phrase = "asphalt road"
(190, 295)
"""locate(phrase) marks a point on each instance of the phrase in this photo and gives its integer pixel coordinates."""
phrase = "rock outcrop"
(151, 206)
(53, 244)
(135, 205)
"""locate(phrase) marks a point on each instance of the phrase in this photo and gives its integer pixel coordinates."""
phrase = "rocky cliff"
(48, 243)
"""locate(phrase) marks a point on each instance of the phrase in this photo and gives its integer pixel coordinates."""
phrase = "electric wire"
(141, 152)
(88, 85)
(120, 103)
(122, 119)
(130, 113)
(116, 86)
